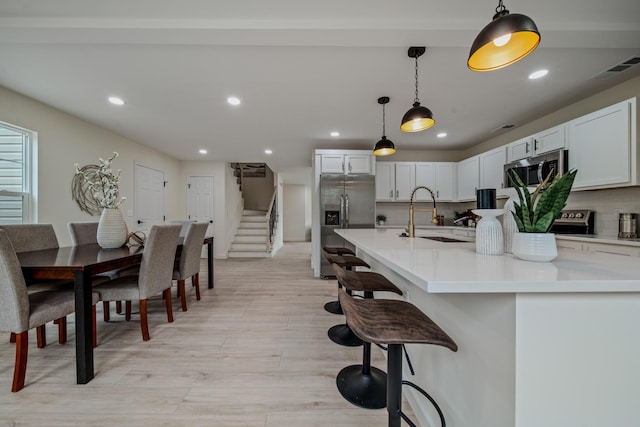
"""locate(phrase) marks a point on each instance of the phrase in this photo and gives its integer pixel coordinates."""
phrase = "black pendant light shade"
(384, 147)
(418, 117)
(505, 40)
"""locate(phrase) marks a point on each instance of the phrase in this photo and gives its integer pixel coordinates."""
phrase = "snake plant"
(535, 212)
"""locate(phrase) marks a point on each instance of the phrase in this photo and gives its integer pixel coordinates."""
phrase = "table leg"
(84, 333)
(210, 265)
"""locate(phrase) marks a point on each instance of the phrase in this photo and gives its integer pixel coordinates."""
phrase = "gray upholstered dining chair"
(21, 310)
(188, 265)
(85, 233)
(155, 275)
(34, 237)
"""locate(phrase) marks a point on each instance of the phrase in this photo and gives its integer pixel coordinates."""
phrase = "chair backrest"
(189, 263)
(14, 300)
(83, 233)
(156, 268)
(31, 237)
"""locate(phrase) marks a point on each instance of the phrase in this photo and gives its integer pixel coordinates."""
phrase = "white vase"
(489, 240)
(112, 230)
(535, 246)
(509, 226)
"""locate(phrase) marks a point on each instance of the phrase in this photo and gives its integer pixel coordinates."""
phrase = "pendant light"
(505, 40)
(418, 117)
(384, 147)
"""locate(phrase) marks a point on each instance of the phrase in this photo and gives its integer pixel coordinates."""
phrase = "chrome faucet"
(434, 212)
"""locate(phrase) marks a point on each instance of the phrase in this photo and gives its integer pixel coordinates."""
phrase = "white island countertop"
(452, 267)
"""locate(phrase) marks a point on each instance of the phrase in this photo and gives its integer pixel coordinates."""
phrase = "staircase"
(251, 237)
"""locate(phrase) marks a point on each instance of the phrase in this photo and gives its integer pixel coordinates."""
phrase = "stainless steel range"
(576, 221)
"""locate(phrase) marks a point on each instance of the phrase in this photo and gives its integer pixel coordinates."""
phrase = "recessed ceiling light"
(335, 134)
(441, 135)
(538, 74)
(115, 100)
(267, 151)
(233, 100)
(203, 151)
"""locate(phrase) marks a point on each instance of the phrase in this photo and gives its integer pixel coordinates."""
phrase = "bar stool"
(333, 307)
(394, 323)
(342, 334)
(364, 385)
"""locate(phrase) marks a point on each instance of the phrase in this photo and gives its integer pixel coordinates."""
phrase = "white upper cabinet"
(539, 143)
(492, 168)
(438, 176)
(603, 147)
(344, 163)
(468, 178)
(394, 181)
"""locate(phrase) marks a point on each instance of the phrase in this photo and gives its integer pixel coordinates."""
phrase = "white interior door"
(200, 201)
(149, 204)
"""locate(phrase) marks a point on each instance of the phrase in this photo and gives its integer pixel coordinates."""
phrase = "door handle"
(140, 222)
(346, 211)
(342, 211)
(210, 221)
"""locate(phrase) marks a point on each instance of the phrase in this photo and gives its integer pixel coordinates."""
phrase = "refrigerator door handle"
(346, 210)
(342, 211)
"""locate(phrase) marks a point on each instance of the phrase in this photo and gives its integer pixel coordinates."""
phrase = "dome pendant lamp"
(418, 117)
(384, 147)
(505, 40)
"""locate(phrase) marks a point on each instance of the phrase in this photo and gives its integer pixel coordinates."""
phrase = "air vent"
(616, 69)
(503, 127)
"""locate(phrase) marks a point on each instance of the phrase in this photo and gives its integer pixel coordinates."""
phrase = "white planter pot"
(112, 230)
(535, 246)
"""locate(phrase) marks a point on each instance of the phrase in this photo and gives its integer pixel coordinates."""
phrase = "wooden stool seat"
(335, 250)
(348, 262)
(365, 281)
(394, 323)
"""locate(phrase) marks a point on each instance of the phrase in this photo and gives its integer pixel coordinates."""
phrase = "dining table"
(81, 263)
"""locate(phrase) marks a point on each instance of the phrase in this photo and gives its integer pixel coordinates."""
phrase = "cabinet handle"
(526, 148)
(349, 167)
(535, 145)
(437, 194)
(397, 193)
(391, 194)
(343, 166)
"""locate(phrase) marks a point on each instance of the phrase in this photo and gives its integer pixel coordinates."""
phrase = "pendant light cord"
(416, 100)
(384, 133)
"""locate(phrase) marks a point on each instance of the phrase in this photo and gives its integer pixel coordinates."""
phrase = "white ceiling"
(302, 69)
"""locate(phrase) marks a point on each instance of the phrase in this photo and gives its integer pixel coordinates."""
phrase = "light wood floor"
(253, 352)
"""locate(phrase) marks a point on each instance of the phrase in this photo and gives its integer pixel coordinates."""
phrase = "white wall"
(295, 213)
(64, 140)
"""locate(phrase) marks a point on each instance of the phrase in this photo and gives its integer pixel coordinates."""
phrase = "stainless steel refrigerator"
(346, 201)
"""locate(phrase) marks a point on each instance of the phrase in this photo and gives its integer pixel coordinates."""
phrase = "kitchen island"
(540, 344)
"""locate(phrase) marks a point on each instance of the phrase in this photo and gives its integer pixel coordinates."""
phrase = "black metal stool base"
(333, 307)
(343, 335)
(364, 390)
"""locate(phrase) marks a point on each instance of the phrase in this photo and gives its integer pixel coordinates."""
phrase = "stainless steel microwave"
(533, 170)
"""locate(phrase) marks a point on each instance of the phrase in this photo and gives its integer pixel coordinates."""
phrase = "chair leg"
(119, 307)
(183, 294)
(167, 299)
(94, 326)
(20, 367)
(62, 329)
(12, 337)
(144, 324)
(195, 281)
(127, 310)
(106, 311)
(41, 336)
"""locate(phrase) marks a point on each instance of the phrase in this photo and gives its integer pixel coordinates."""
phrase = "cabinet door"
(425, 175)
(358, 163)
(445, 181)
(332, 163)
(405, 180)
(549, 140)
(600, 147)
(385, 181)
(468, 178)
(492, 168)
(520, 149)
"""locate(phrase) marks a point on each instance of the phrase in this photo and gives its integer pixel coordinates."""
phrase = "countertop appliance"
(533, 170)
(576, 221)
(346, 201)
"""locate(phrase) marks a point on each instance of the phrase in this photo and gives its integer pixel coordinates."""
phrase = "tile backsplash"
(607, 204)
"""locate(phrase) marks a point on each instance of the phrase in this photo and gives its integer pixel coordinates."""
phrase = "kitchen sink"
(443, 239)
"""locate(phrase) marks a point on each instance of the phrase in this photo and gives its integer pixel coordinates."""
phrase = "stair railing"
(272, 218)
